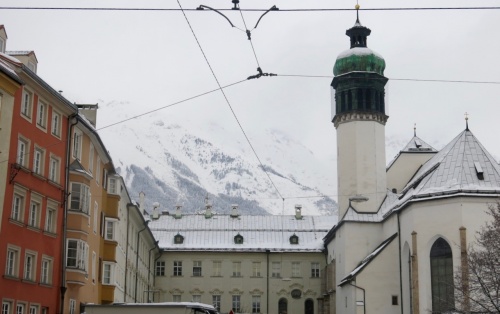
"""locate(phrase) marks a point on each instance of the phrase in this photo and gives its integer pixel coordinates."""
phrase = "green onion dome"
(359, 59)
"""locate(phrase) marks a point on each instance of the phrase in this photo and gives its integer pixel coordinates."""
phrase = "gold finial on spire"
(466, 121)
(357, 12)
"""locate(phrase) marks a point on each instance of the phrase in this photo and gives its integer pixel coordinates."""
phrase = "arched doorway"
(283, 306)
(441, 276)
(309, 307)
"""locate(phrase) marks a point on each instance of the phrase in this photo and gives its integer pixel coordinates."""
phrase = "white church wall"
(403, 169)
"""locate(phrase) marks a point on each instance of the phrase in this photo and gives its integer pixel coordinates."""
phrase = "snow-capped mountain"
(179, 162)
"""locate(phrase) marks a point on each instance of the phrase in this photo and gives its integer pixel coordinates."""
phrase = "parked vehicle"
(151, 308)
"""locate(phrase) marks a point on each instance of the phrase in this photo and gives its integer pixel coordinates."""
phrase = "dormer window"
(32, 66)
(294, 239)
(238, 239)
(178, 239)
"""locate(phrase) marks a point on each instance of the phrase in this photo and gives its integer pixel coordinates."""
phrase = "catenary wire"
(227, 101)
(250, 39)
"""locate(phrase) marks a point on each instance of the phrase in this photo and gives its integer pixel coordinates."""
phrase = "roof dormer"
(3, 39)
(27, 57)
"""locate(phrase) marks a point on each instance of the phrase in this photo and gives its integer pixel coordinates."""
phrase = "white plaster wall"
(361, 164)
(403, 169)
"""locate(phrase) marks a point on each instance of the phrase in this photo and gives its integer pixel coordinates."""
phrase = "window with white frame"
(97, 170)
(256, 304)
(41, 114)
(12, 262)
(38, 161)
(22, 152)
(276, 269)
(256, 269)
(54, 169)
(91, 158)
(96, 215)
(46, 270)
(77, 254)
(105, 178)
(196, 268)
(34, 309)
(27, 104)
(315, 270)
(236, 303)
(80, 197)
(295, 269)
(216, 267)
(2, 50)
(216, 301)
(51, 218)
(20, 308)
(113, 185)
(160, 268)
(108, 273)
(6, 307)
(72, 306)
(32, 66)
(94, 266)
(236, 269)
(18, 206)
(77, 144)
(55, 127)
(196, 298)
(34, 213)
(177, 268)
(109, 232)
(176, 298)
(29, 266)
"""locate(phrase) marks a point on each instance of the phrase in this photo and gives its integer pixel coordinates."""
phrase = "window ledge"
(45, 285)
(29, 281)
(50, 234)
(54, 183)
(38, 176)
(16, 222)
(11, 277)
(34, 228)
(218, 276)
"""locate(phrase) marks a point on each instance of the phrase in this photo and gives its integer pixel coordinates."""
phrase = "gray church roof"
(415, 145)
(260, 233)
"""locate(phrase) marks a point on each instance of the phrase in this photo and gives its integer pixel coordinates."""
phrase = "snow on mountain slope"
(177, 161)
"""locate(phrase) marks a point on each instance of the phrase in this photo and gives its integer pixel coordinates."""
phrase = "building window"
(282, 306)
(309, 306)
(12, 263)
(315, 270)
(160, 268)
(216, 302)
(29, 266)
(72, 306)
(38, 161)
(294, 239)
(196, 298)
(34, 214)
(41, 116)
(178, 239)
(97, 170)
(26, 105)
(177, 268)
(50, 220)
(46, 271)
(77, 254)
(113, 186)
(22, 152)
(256, 269)
(6, 307)
(276, 270)
(80, 197)
(94, 266)
(33, 309)
(196, 268)
(20, 308)
(109, 231)
(256, 304)
(236, 269)
(236, 303)
(91, 158)
(96, 217)
(77, 144)
(56, 124)
(238, 239)
(107, 273)
(32, 66)
(217, 265)
(17, 207)
(295, 269)
(176, 298)
(54, 169)
(442, 277)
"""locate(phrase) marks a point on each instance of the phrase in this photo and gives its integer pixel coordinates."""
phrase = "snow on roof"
(259, 233)
(10, 58)
(358, 51)
(415, 145)
(367, 260)
(4, 67)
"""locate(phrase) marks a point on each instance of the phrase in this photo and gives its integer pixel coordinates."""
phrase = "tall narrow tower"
(359, 116)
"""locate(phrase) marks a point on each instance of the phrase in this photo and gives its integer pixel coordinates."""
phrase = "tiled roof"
(259, 233)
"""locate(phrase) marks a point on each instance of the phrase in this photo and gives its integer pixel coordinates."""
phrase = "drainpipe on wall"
(267, 283)
(400, 266)
(364, 298)
(149, 265)
(154, 277)
(63, 287)
(137, 260)
(126, 255)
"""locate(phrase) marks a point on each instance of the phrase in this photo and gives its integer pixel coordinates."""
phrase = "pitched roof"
(415, 145)
(260, 233)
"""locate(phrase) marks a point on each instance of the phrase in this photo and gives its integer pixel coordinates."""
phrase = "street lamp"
(137, 259)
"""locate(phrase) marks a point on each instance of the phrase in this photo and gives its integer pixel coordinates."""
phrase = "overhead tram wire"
(250, 38)
(247, 10)
(227, 101)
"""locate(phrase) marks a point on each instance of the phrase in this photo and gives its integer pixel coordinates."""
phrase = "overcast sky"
(150, 59)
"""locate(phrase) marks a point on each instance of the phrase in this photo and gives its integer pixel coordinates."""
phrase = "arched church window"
(441, 277)
(282, 306)
(309, 307)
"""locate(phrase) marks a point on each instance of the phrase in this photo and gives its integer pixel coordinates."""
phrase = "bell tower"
(358, 110)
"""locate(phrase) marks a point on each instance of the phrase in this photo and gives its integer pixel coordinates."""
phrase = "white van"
(151, 308)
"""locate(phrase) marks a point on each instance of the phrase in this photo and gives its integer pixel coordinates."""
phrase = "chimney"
(178, 214)
(298, 212)
(141, 202)
(89, 111)
(208, 210)
(234, 211)
(156, 210)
